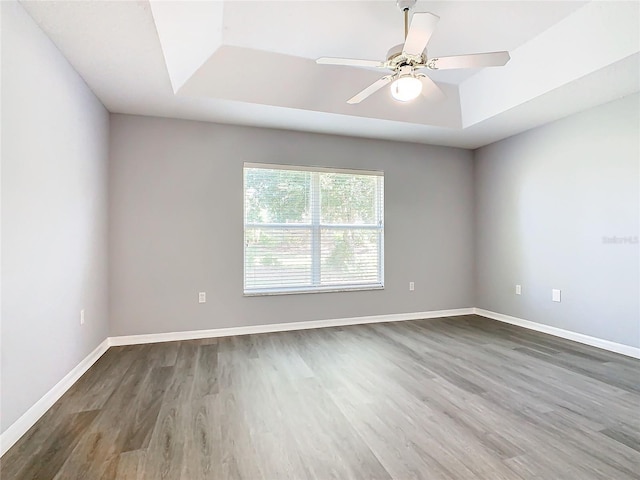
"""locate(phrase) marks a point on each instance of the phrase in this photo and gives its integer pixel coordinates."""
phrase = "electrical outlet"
(555, 295)
(202, 297)
(82, 317)
(412, 286)
(518, 289)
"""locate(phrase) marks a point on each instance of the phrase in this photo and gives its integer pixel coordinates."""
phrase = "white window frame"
(316, 227)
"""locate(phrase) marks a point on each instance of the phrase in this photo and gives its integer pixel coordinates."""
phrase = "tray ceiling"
(252, 63)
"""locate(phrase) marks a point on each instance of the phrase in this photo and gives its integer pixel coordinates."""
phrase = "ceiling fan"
(406, 60)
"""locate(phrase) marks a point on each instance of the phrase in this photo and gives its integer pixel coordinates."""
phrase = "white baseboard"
(559, 332)
(12, 434)
(282, 327)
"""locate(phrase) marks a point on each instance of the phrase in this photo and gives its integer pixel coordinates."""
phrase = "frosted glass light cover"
(406, 88)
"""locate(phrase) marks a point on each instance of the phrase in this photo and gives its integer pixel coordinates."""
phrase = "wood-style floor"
(457, 398)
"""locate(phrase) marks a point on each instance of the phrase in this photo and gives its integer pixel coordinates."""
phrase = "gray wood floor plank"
(145, 409)
(203, 442)
(105, 439)
(62, 442)
(444, 399)
(206, 374)
(130, 465)
(93, 456)
(401, 457)
(164, 455)
(33, 442)
(630, 440)
(164, 354)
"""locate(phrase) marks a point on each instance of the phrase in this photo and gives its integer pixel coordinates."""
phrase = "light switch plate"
(555, 295)
(518, 289)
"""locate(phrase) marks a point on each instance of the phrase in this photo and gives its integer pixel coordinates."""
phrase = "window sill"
(294, 291)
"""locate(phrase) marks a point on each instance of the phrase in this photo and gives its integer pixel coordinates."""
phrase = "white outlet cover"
(412, 286)
(202, 297)
(555, 295)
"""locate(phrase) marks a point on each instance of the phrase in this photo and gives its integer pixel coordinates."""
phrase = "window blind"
(312, 229)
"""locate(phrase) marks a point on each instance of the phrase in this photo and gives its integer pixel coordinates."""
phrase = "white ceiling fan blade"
(351, 62)
(430, 89)
(371, 89)
(476, 60)
(420, 31)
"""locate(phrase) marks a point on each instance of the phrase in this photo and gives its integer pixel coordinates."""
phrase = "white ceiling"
(252, 63)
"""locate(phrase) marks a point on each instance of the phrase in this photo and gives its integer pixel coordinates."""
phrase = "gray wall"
(544, 201)
(176, 225)
(54, 213)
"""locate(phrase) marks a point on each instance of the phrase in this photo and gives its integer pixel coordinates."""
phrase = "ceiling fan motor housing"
(396, 58)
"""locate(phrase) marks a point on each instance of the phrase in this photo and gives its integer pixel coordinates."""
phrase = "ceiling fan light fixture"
(406, 88)
(405, 59)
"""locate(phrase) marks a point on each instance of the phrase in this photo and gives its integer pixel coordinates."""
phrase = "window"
(312, 229)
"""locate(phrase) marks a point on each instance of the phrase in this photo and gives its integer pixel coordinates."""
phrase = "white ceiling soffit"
(253, 63)
(189, 32)
(560, 55)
